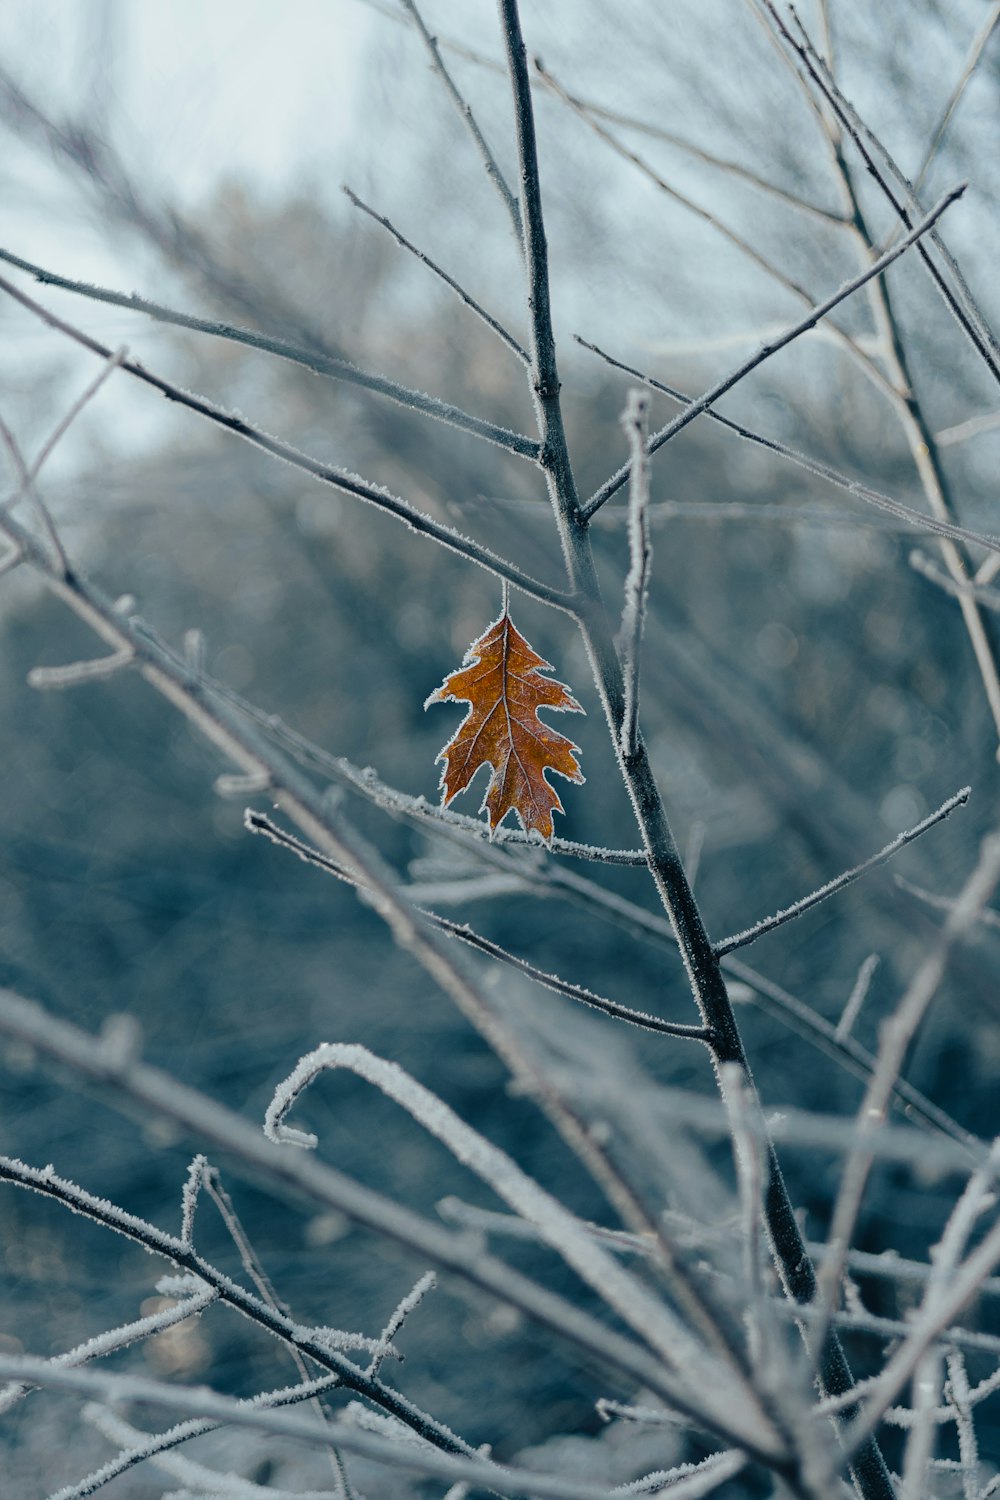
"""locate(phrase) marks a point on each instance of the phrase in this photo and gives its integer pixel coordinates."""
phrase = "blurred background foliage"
(806, 693)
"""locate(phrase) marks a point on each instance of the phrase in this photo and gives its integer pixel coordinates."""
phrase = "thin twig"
(919, 1451)
(844, 340)
(986, 918)
(27, 489)
(57, 433)
(463, 296)
(960, 1397)
(45, 1181)
(990, 22)
(77, 673)
(493, 171)
(419, 1290)
(653, 1320)
(211, 1178)
(954, 1291)
(637, 578)
(919, 435)
(191, 1304)
(806, 903)
(750, 1160)
(322, 361)
(958, 589)
(591, 111)
(857, 997)
(772, 346)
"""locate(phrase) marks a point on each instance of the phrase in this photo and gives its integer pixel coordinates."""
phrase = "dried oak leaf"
(501, 679)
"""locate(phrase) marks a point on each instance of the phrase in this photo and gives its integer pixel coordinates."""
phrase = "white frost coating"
(688, 1481)
(560, 1229)
(120, 1338)
(179, 1286)
(336, 1339)
(79, 1201)
(401, 1312)
(383, 1423)
(657, 1416)
(198, 1478)
(193, 1185)
(201, 1479)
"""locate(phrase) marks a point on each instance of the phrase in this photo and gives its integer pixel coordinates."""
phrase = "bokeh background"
(806, 692)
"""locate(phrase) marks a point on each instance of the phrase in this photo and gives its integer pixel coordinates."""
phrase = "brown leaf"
(501, 678)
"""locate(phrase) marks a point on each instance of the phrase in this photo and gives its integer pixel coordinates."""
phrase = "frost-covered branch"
(193, 1296)
(806, 903)
(319, 1348)
(961, 303)
(637, 578)
(460, 292)
(469, 120)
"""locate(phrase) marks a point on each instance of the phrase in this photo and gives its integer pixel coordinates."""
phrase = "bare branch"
(958, 589)
(228, 1292)
(926, 1326)
(751, 934)
(542, 346)
(640, 560)
(986, 918)
(591, 112)
(652, 1320)
(74, 411)
(190, 1304)
(76, 673)
(28, 490)
(420, 1289)
(857, 997)
(449, 281)
(735, 239)
(986, 30)
(961, 1399)
(260, 1414)
(493, 171)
